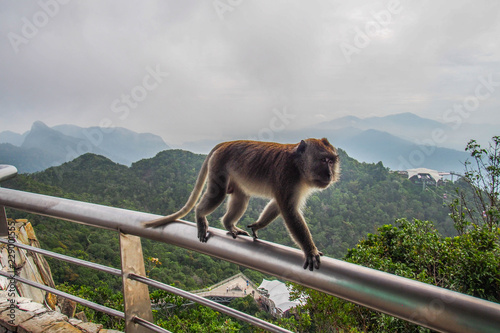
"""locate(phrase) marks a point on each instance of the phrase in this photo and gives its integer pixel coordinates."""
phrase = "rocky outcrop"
(28, 309)
(23, 315)
(31, 266)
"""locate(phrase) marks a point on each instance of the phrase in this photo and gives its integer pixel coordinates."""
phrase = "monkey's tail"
(193, 198)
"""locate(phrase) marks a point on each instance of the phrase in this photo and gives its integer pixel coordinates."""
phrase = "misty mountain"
(14, 139)
(373, 146)
(401, 141)
(398, 154)
(407, 126)
(43, 147)
(452, 134)
(118, 144)
(54, 143)
(26, 160)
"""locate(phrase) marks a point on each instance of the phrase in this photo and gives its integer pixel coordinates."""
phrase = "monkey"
(285, 173)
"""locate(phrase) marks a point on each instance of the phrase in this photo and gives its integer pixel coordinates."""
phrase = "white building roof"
(433, 173)
(279, 294)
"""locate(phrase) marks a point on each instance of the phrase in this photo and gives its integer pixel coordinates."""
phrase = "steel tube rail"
(149, 325)
(7, 172)
(77, 299)
(179, 292)
(420, 303)
(76, 261)
(211, 304)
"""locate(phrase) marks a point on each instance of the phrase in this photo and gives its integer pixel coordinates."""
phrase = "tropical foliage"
(349, 220)
(468, 262)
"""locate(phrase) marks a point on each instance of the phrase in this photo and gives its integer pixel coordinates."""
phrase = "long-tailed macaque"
(286, 173)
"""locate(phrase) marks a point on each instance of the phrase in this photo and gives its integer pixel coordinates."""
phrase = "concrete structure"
(424, 175)
(277, 297)
(236, 286)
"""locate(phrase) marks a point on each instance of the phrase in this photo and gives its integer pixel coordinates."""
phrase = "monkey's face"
(321, 165)
(325, 171)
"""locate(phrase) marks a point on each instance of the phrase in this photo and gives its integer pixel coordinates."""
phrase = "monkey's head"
(319, 162)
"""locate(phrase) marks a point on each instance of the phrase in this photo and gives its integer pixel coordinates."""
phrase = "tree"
(469, 263)
(179, 315)
(482, 174)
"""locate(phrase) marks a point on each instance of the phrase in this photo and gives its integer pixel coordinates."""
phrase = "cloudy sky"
(192, 70)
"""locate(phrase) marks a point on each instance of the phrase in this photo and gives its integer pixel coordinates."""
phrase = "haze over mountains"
(43, 147)
(400, 141)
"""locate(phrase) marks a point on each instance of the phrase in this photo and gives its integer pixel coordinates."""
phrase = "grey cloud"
(227, 73)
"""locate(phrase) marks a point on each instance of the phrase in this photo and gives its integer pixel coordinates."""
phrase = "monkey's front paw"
(312, 260)
(254, 232)
(203, 235)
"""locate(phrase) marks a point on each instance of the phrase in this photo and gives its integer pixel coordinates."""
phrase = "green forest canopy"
(367, 197)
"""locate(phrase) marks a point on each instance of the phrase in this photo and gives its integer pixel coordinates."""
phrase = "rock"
(31, 266)
(23, 300)
(40, 311)
(51, 300)
(74, 321)
(12, 319)
(81, 315)
(68, 307)
(30, 306)
(62, 327)
(41, 323)
(90, 327)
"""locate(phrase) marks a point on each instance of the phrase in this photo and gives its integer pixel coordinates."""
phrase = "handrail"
(423, 304)
(76, 261)
(7, 172)
(82, 301)
(89, 304)
(203, 301)
(114, 271)
(152, 327)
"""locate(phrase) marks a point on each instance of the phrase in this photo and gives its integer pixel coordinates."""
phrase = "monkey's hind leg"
(211, 199)
(268, 215)
(238, 202)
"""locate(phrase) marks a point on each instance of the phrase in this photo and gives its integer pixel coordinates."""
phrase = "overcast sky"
(191, 70)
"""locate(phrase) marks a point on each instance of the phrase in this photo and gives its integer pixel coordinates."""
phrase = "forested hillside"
(367, 197)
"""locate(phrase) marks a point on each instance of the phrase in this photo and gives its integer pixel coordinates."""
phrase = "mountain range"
(404, 141)
(400, 141)
(42, 146)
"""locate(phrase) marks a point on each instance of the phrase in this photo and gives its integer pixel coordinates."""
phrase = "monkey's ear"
(302, 147)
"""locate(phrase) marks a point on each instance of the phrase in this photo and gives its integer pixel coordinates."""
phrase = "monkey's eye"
(327, 160)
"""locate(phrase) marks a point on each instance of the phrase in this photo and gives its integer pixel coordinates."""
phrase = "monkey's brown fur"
(286, 173)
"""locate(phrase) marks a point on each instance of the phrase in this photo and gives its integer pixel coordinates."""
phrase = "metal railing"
(416, 302)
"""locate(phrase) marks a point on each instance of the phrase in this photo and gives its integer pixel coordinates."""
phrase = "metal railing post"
(6, 172)
(135, 294)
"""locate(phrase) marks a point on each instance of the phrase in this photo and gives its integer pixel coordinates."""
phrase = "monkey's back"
(257, 166)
